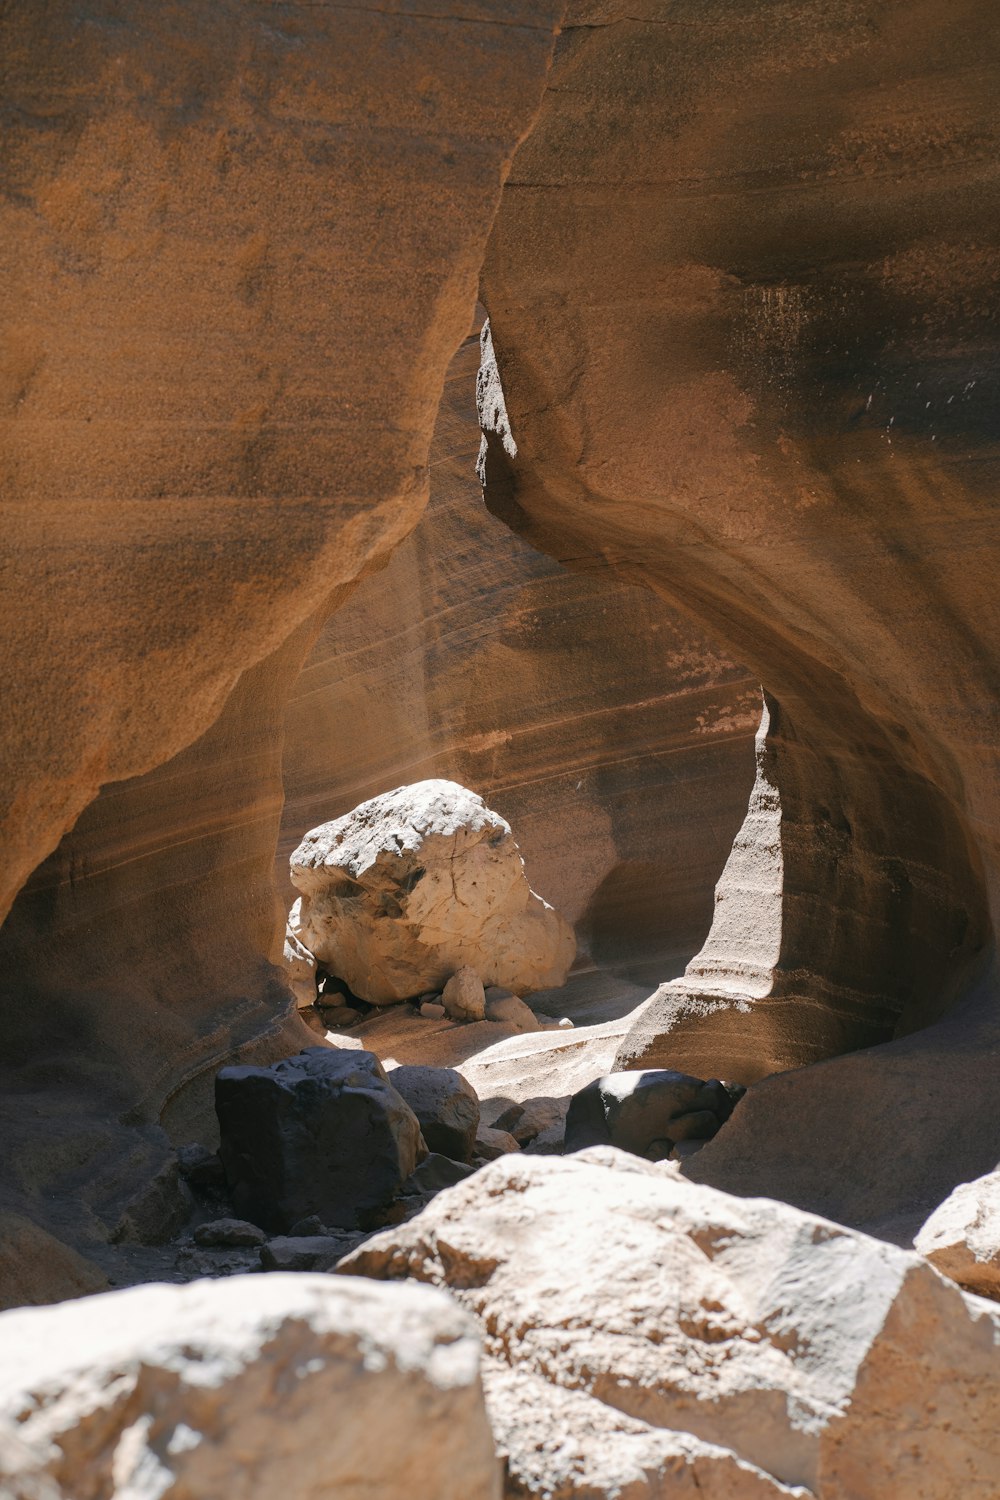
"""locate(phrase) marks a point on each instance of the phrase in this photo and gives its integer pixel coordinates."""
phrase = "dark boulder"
(323, 1133)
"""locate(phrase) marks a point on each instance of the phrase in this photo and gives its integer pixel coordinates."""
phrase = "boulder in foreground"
(296, 1387)
(321, 1133)
(649, 1336)
(416, 884)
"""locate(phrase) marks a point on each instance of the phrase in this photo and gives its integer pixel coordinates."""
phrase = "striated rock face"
(780, 413)
(611, 734)
(238, 252)
(418, 884)
(641, 1330)
(228, 1388)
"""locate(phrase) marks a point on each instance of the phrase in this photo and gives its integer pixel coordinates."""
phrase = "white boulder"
(645, 1334)
(962, 1237)
(416, 884)
(284, 1385)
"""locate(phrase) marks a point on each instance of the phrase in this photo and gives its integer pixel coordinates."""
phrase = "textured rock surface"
(36, 1267)
(646, 1112)
(322, 1133)
(795, 252)
(235, 265)
(962, 1237)
(446, 1108)
(811, 1354)
(417, 884)
(614, 738)
(228, 1388)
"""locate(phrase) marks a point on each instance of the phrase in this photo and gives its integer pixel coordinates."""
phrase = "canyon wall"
(743, 291)
(613, 736)
(240, 246)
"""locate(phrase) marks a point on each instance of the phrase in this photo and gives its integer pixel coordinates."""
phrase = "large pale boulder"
(418, 883)
(250, 1387)
(796, 1351)
(962, 1236)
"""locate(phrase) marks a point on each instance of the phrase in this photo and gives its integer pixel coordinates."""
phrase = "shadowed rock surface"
(239, 250)
(779, 412)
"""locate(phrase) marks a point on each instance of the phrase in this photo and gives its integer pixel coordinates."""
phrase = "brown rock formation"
(742, 289)
(239, 248)
(613, 737)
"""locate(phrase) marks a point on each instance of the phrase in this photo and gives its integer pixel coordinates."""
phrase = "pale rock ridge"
(817, 1360)
(227, 1388)
(418, 884)
(962, 1236)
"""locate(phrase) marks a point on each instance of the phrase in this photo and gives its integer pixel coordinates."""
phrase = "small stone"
(229, 1233)
(446, 1106)
(527, 1120)
(432, 1011)
(312, 1224)
(511, 1010)
(491, 1143)
(546, 1023)
(340, 1015)
(548, 1142)
(200, 1167)
(463, 997)
(313, 1252)
(435, 1173)
(564, 1024)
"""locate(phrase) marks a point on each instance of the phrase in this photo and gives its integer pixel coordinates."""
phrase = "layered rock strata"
(778, 411)
(239, 250)
(613, 736)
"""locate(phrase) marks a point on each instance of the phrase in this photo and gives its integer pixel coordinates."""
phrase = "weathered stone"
(463, 996)
(445, 1105)
(323, 1132)
(433, 1175)
(418, 883)
(306, 1252)
(962, 1237)
(432, 1012)
(631, 1110)
(201, 1168)
(491, 1143)
(229, 1232)
(512, 1010)
(526, 1120)
(197, 1391)
(810, 1354)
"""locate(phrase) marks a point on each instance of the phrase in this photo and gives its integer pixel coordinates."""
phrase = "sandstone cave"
(501, 744)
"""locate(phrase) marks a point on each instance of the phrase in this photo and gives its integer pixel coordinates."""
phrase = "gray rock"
(634, 1110)
(321, 1133)
(431, 1011)
(435, 1173)
(307, 1252)
(446, 1106)
(229, 1233)
(200, 1167)
(531, 1117)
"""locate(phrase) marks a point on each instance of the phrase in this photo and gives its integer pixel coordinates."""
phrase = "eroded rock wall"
(614, 737)
(743, 288)
(239, 247)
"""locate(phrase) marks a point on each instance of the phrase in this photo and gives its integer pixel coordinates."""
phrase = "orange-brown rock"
(614, 738)
(238, 249)
(743, 290)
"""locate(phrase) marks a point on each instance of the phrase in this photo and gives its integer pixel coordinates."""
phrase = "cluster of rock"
(414, 888)
(644, 1335)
